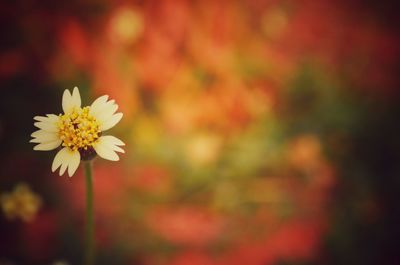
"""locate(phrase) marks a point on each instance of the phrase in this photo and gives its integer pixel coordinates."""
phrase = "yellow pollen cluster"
(22, 203)
(78, 129)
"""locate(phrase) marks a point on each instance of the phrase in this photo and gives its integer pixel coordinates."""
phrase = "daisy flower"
(78, 132)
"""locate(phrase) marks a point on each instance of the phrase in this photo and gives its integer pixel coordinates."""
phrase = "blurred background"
(257, 132)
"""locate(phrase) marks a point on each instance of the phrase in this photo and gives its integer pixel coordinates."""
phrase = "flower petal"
(36, 141)
(41, 136)
(118, 149)
(67, 159)
(59, 159)
(106, 153)
(76, 97)
(47, 118)
(48, 123)
(97, 104)
(53, 117)
(64, 166)
(112, 140)
(106, 147)
(103, 107)
(47, 126)
(69, 102)
(42, 141)
(47, 146)
(107, 112)
(111, 122)
(74, 159)
(40, 118)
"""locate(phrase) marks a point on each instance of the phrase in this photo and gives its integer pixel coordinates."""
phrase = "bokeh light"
(258, 132)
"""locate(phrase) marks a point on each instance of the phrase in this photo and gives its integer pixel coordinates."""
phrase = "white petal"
(59, 159)
(76, 97)
(69, 159)
(47, 126)
(44, 135)
(97, 104)
(106, 153)
(75, 158)
(47, 146)
(36, 140)
(103, 107)
(112, 140)
(64, 166)
(111, 122)
(106, 146)
(40, 118)
(48, 123)
(118, 149)
(53, 117)
(69, 102)
(112, 143)
(41, 136)
(104, 114)
(47, 118)
(42, 141)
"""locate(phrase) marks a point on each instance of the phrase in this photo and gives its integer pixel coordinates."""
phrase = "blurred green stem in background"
(89, 240)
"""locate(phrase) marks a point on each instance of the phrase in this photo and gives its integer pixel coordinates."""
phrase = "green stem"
(89, 240)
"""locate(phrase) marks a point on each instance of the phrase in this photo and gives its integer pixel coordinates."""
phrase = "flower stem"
(89, 240)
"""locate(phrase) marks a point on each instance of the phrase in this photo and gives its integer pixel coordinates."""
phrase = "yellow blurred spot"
(147, 133)
(126, 25)
(22, 203)
(203, 149)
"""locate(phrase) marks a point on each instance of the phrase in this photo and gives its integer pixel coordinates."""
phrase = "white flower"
(78, 132)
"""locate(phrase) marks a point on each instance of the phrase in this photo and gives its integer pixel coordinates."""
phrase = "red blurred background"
(258, 132)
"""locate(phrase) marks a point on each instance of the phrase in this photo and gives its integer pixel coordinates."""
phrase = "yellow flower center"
(78, 130)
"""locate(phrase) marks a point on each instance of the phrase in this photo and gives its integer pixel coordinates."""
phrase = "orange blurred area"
(257, 132)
